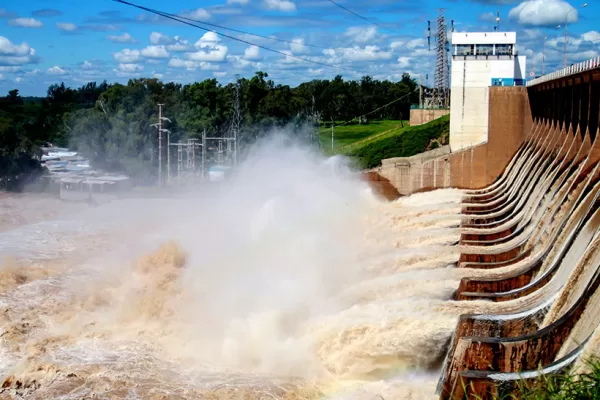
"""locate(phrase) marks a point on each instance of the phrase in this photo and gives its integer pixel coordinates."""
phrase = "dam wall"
(510, 120)
(530, 238)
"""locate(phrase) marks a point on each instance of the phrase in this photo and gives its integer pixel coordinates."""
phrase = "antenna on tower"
(497, 27)
(429, 35)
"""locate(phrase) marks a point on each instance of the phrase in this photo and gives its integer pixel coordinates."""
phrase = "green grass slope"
(399, 142)
(345, 135)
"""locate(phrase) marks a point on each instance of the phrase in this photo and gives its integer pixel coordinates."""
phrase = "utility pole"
(203, 153)
(168, 158)
(160, 182)
(158, 125)
(179, 160)
(420, 91)
(237, 119)
(332, 127)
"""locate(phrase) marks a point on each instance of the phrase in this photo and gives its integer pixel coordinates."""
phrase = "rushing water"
(292, 281)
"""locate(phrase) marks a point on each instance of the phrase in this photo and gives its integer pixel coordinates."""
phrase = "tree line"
(111, 123)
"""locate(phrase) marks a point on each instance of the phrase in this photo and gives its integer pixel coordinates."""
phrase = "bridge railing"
(570, 70)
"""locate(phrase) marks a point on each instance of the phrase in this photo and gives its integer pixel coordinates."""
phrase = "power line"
(379, 108)
(363, 18)
(246, 33)
(178, 19)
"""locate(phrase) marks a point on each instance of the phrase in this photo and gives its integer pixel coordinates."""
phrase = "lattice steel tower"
(441, 76)
(237, 118)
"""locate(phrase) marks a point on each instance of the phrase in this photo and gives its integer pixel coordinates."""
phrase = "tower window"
(465, 49)
(485, 49)
(504, 49)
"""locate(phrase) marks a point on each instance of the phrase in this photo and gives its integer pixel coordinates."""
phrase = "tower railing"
(570, 70)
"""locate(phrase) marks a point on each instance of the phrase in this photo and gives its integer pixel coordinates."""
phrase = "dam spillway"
(535, 232)
(294, 284)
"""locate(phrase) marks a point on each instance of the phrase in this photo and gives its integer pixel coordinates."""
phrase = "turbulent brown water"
(292, 281)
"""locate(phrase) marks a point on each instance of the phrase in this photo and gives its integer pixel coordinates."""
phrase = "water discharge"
(291, 281)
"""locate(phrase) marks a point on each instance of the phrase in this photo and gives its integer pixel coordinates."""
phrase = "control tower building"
(479, 60)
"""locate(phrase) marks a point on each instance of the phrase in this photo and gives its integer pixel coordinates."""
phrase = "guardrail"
(570, 70)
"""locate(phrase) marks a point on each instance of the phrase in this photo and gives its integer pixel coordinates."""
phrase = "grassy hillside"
(399, 142)
(345, 135)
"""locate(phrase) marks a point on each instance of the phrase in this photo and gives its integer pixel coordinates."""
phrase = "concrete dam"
(531, 221)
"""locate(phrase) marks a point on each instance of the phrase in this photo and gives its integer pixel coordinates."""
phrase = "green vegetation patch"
(566, 385)
(347, 134)
(402, 143)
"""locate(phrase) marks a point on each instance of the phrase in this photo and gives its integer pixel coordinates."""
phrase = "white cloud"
(533, 34)
(157, 75)
(242, 2)
(197, 14)
(289, 58)
(488, 16)
(404, 62)
(1, 77)
(175, 44)
(155, 52)
(369, 53)
(58, 71)
(87, 65)
(10, 69)
(130, 67)
(543, 12)
(178, 44)
(18, 79)
(152, 61)
(179, 47)
(208, 49)
(191, 65)
(66, 26)
(591, 36)
(158, 38)
(398, 44)
(239, 63)
(361, 34)
(215, 54)
(124, 38)
(127, 56)
(414, 43)
(177, 62)
(26, 22)
(298, 46)
(252, 53)
(219, 74)
(280, 5)
(208, 39)
(13, 54)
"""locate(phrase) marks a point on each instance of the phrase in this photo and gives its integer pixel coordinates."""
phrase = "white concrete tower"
(479, 60)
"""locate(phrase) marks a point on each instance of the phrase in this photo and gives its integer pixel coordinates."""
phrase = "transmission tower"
(159, 125)
(441, 76)
(237, 118)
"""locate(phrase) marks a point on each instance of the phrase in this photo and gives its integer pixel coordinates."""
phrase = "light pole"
(566, 28)
(544, 55)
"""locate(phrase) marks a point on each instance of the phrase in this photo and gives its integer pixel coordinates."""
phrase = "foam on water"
(291, 281)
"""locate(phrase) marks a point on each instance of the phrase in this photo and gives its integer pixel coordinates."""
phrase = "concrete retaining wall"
(509, 123)
(423, 116)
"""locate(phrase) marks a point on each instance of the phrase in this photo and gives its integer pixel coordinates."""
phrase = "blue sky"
(77, 41)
